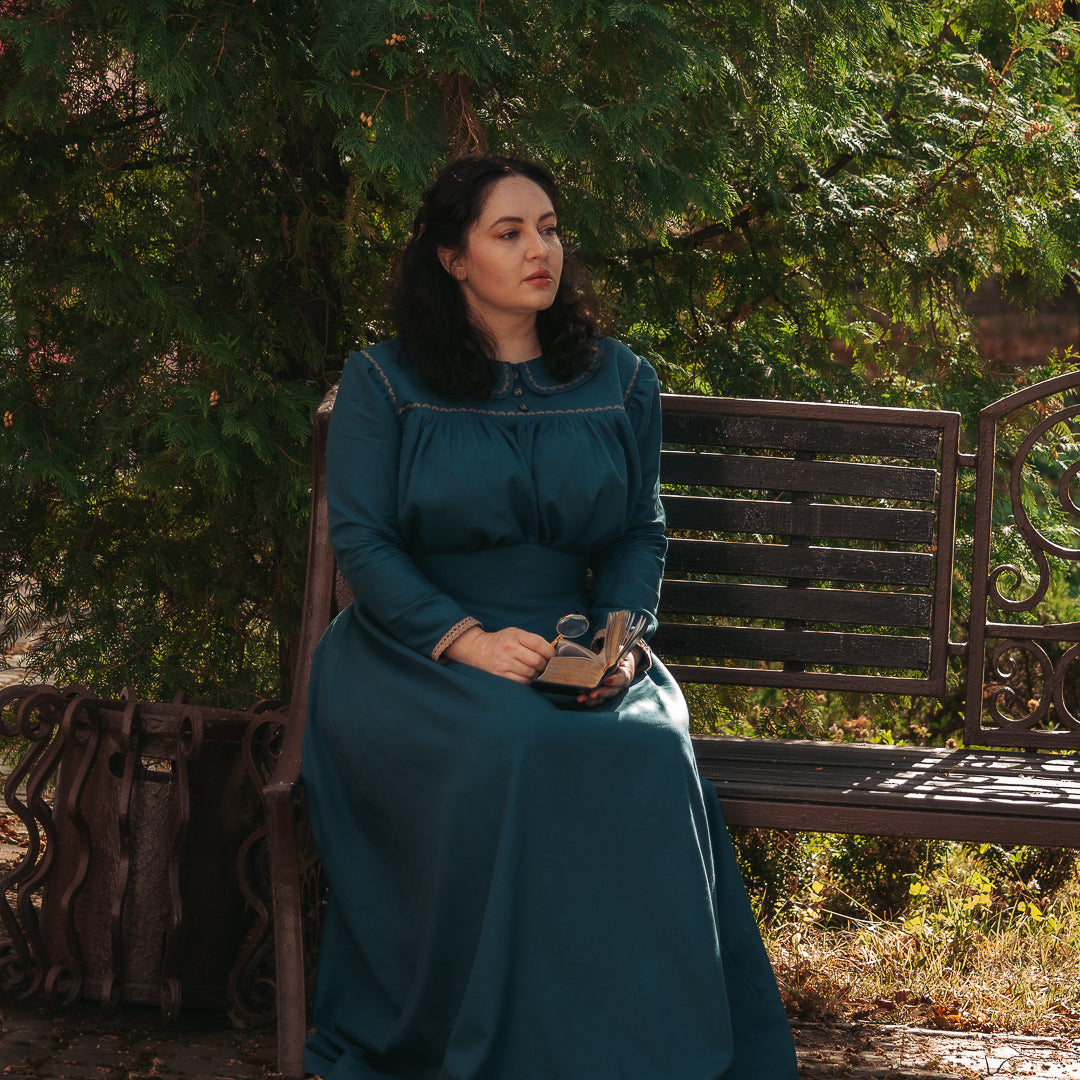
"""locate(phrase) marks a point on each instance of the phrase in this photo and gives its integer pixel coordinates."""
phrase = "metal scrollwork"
(1017, 576)
(1023, 679)
(1066, 712)
(111, 977)
(34, 714)
(116, 796)
(1065, 483)
(313, 888)
(1036, 542)
(81, 732)
(189, 740)
(252, 981)
(1029, 697)
(1004, 665)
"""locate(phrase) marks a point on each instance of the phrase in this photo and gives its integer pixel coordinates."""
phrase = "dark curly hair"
(426, 305)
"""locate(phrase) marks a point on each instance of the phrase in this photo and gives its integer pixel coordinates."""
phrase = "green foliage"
(837, 879)
(873, 874)
(198, 202)
(770, 714)
(983, 890)
(1030, 873)
(831, 878)
(775, 866)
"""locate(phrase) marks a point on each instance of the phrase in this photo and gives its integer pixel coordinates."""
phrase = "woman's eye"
(508, 235)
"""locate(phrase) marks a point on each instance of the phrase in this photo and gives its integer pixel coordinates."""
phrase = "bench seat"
(1005, 797)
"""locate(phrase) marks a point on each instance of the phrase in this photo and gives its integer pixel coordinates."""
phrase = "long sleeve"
(362, 478)
(627, 572)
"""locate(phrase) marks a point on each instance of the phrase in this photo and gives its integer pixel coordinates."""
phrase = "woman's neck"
(515, 341)
(525, 350)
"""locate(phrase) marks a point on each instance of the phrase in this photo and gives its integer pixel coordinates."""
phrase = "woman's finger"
(536, 646)
(614, 684)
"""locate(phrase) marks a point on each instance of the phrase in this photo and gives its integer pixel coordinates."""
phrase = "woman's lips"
(541, 277)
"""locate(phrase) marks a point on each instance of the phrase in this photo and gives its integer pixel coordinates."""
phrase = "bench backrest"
(812, 546)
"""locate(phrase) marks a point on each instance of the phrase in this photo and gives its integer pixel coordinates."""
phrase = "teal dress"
(520, 888)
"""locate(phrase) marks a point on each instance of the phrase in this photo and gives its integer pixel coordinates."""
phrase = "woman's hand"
(513, 653)
(615, 683)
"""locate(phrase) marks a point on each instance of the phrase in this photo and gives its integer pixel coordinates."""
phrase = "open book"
(575, 669)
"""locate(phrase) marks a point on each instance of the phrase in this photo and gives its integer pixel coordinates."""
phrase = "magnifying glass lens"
(572, 626)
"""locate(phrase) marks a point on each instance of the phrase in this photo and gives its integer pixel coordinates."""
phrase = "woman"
(522, 886)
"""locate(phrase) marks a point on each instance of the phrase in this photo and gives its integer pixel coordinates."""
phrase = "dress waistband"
(524, 585)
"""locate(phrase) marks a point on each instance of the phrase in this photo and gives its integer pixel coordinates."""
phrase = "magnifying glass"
(570, 626)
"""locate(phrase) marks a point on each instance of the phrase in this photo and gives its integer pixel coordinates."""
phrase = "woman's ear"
(451, 263)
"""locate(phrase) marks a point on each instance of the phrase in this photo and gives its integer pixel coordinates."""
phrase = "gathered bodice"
(537, 467)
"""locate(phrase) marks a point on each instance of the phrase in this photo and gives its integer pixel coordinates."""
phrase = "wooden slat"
(905, 791)
(782, 602)
(925, 821)
(792, 519)
(805, 646)
(1018, 632)
(810, 563)
(820, 477)
(795, 433)
(792, 678)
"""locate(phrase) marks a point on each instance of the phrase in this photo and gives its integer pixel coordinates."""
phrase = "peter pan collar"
(534, 375)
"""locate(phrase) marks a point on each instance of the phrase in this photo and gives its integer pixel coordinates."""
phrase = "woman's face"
(512, 259)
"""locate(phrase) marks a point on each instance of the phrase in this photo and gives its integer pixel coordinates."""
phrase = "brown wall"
(1011, 337)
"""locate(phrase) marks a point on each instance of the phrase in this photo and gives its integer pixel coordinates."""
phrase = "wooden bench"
(813, 546)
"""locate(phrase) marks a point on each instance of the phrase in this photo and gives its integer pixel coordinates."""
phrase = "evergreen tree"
(198, 202)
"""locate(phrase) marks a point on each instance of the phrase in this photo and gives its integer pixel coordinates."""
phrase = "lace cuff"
(452, 635)
(646, 657)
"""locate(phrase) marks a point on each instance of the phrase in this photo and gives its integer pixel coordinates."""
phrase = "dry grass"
(966, 955)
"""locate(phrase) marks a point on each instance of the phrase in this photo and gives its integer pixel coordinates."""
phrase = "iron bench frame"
(807, 479)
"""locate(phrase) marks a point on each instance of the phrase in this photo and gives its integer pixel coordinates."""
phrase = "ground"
(79, 1044)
